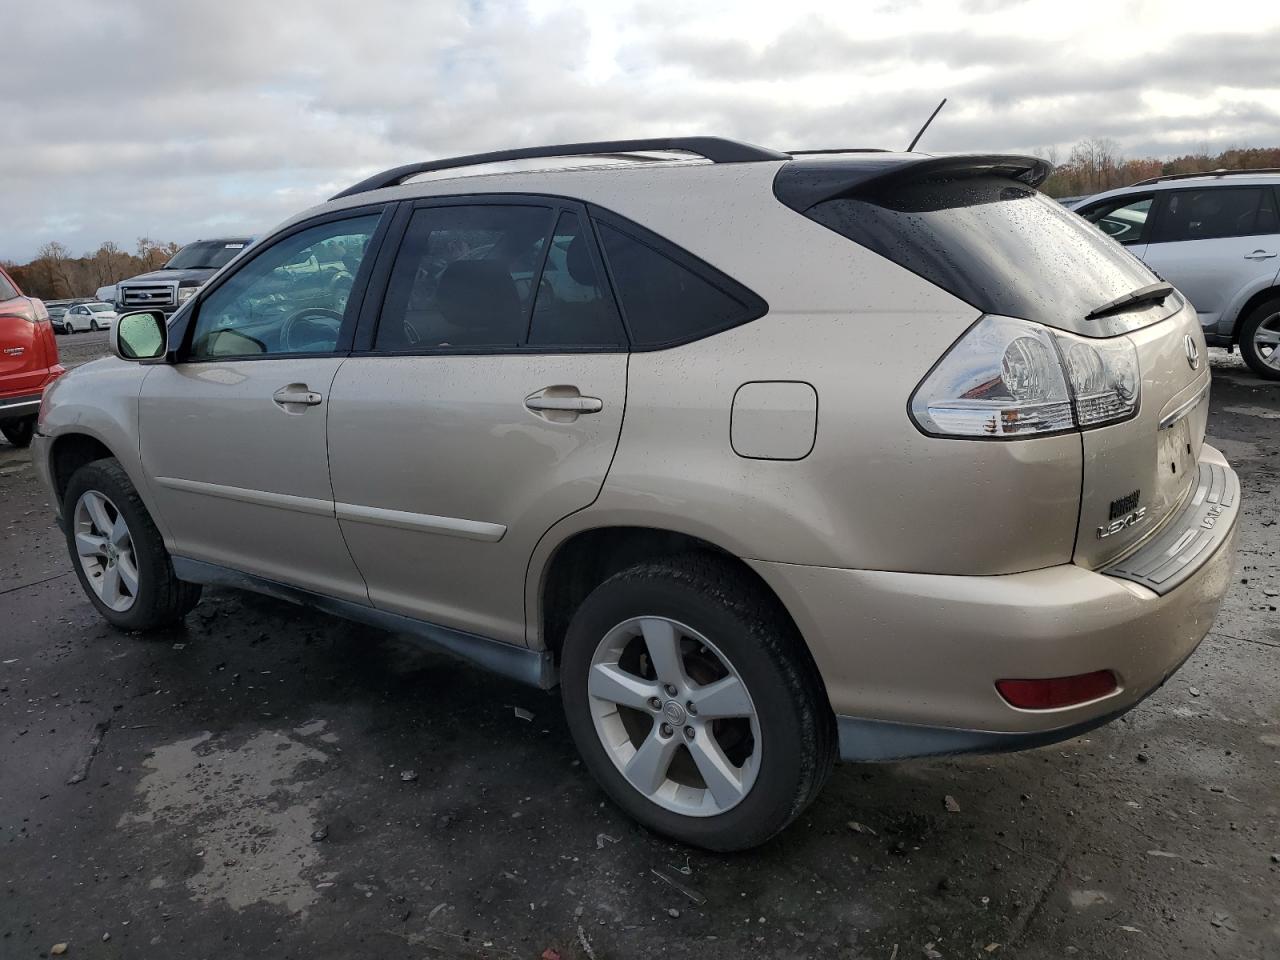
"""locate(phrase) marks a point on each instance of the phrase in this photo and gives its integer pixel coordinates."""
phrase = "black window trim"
(181, 332)
(375, 296)
(754, 305)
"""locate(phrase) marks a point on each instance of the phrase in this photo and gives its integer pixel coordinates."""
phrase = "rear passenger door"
(483, 404)
(1212, 242)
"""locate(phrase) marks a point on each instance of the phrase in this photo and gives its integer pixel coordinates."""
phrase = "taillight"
(1008, 378)
(1054, 692)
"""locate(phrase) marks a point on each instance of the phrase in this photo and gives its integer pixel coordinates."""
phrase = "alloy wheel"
(674, 716)
(104, 546)
(1266, 341)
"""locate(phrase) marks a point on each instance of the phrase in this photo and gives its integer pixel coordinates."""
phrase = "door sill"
(533, 667)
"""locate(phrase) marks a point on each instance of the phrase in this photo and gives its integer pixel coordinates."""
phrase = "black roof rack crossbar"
(1205, 173)
(715, 149)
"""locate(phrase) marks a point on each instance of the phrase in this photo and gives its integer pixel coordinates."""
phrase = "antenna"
(917, 137)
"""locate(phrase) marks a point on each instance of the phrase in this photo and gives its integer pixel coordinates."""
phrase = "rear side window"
(573, 307)
(667, 296)
(6, 288)
(1217, 212)
(464, 278)
(994, 243)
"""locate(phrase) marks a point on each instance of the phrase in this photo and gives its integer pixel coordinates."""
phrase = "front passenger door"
(233, 433)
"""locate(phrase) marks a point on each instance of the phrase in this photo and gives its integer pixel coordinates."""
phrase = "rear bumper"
(910, 661)
(13, 408)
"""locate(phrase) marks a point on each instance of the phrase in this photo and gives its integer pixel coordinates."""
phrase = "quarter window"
(1216, 212)
(292, 298)
(666, 302)
(464, 278)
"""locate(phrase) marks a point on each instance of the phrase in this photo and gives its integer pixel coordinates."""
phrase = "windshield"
(100, 307)
(994, 243)
(205, 254)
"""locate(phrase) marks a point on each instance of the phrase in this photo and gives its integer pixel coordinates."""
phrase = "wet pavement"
(272, 782)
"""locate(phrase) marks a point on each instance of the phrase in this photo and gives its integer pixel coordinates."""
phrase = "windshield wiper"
(1151, 293)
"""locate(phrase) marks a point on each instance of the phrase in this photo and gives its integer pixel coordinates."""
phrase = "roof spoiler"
(801, 185)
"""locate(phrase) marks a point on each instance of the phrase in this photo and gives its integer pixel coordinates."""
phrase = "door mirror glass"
(139, 335)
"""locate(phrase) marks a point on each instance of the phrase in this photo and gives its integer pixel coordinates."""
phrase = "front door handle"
(296, 394)
(1259, 255)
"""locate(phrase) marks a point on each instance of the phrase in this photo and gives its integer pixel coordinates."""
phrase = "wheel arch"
(584, 558)
(1272, 291)
(68, 453)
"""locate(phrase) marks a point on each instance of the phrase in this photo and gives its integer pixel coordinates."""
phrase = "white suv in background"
(1216, 237)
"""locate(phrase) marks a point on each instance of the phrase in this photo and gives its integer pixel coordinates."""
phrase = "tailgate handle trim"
(1184, 408)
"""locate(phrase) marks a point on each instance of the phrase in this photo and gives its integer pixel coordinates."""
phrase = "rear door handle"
(561, 404)
(1259, 255)
(297, 394)
(566, 404)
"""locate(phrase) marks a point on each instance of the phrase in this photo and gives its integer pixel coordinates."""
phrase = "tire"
(781, 756)
(1268, 313)
(18, 432)
(158, 598)
(93, 326)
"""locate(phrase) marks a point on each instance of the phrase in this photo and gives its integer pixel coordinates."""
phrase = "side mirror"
(138, 336)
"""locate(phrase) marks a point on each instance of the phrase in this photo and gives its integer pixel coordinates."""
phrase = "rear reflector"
(1057, 691)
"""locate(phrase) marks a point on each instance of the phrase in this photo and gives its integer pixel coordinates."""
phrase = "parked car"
(177, 281)
(1216, 237)
(28, 360)
(57, 310)
(105, 294)
(607, 470)
(88, 316)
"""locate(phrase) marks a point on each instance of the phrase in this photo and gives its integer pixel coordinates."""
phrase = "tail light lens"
(1008, 378)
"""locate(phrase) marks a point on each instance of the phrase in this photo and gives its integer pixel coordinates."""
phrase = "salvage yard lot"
(273, 782)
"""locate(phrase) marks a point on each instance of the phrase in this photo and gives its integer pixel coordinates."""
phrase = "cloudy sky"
(182, 119)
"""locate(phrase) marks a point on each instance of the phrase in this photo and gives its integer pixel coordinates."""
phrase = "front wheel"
(93, 325)
(119, 554)
(695, 704)
(19, 432)
(1260, 340)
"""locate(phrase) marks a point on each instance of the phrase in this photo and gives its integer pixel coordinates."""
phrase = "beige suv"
(765, 459)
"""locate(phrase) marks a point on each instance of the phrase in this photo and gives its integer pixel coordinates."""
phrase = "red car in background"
(28, 361)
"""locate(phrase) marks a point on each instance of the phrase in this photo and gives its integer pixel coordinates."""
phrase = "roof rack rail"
(715, 149)
(1205, 173)
(807, 153)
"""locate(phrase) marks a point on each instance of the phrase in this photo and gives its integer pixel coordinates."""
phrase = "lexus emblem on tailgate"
(1193, 352)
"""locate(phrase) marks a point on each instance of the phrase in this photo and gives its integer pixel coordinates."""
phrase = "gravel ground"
(271, 782)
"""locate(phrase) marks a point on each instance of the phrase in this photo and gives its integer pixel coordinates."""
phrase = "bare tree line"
(56, 274)
(1096, 164)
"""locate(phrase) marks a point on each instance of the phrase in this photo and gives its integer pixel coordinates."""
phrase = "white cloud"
(215, 117)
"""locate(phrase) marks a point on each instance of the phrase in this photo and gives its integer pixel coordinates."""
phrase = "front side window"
(290, 298)
(1122, 219)
(1214, 213)
(464, 278)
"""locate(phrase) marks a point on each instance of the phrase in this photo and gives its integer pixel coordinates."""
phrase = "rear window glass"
(666, 302)
(998, 245)
(1215, 213)
(6, 288)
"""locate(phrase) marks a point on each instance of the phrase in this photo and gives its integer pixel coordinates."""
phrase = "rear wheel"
(1260, 340)
(18, 432)
(119, 554)
(694, 703)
